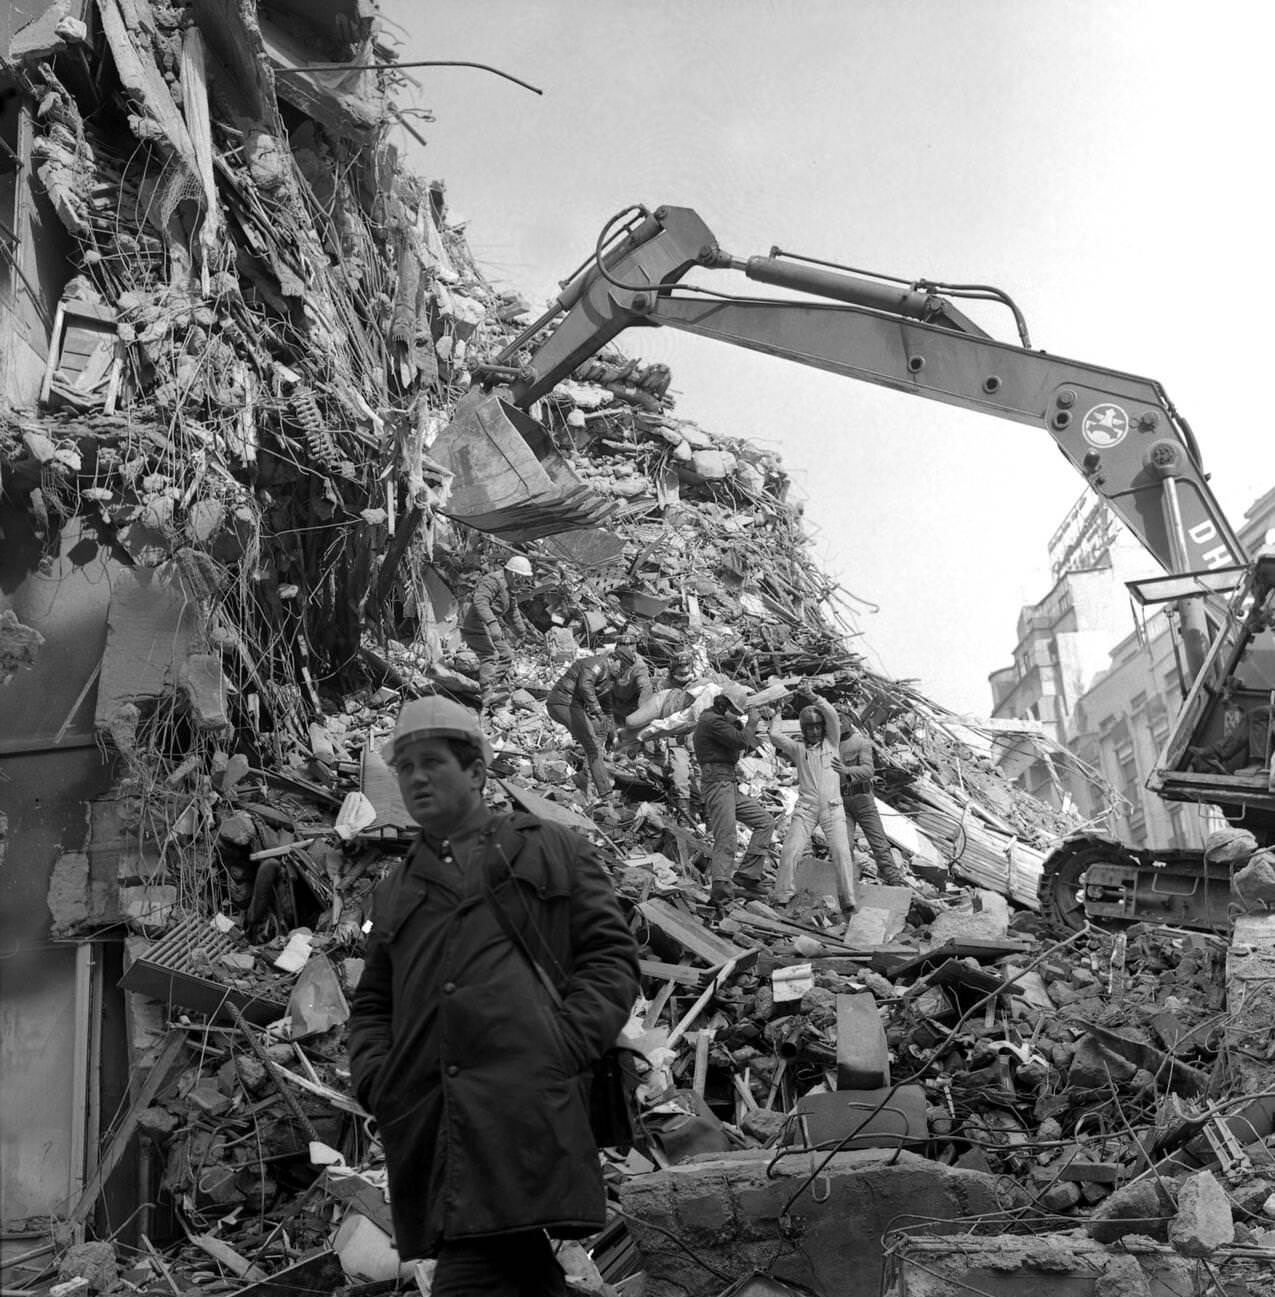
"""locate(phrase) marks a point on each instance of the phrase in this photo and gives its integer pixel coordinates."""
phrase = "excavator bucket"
(509, 479)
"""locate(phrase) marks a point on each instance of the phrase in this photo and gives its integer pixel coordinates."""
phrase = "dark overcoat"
(478, 1084)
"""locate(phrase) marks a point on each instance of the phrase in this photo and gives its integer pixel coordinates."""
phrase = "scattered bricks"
(1061, 994)
(1142, 1207)
(1094, 1066)
(986, 920)
(1123, 1277)
(1060, 1197)
(252, 1072)
(206, 1097)
(1097, 1172)
(157, 1121)
(150, 907)
(763, 1123)
(1203, 1223)
(93, 1262)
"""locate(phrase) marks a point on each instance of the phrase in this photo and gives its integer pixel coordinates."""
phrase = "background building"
(1102, 676)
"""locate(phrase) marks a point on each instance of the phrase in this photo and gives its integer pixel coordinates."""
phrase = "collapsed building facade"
(235, 537)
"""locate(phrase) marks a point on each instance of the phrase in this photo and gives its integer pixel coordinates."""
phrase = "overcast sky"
(1106, 163)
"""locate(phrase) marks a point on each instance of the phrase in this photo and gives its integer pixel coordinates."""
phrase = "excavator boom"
(1119, 431)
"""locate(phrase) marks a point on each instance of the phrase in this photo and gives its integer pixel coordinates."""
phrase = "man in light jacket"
(818, 801)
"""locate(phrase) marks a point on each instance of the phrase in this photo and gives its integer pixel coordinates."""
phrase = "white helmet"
(519, 566)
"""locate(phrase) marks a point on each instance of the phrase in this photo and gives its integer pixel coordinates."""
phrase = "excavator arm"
(1119, 431)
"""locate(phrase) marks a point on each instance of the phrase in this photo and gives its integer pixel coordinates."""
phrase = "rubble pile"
(270, 326)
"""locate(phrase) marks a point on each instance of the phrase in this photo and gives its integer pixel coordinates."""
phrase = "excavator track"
(1095, 880)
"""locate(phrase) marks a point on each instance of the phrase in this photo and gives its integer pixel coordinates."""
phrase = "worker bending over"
(576, 702)
(721, 737)
(493, 618)
(631, 687)
(818, 801)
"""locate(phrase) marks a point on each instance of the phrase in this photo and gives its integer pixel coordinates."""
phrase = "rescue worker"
(720, 738)
(631, 687)
(818, 801)
(860, 806)
(674, 750)
(478, 1080)
(576, 703)
(670, 751)
(492, 618)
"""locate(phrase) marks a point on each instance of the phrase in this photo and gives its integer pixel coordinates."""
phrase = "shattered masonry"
(263, 329)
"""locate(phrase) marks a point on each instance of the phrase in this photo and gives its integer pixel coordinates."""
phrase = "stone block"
(730, 1212)
(1203, 1223)
(881, 915)
(986, 919)
(1142, 1207)
(863, 1058)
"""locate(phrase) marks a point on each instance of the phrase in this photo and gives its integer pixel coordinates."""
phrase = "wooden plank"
(680, 973)
(170, 1052)
(689, 933)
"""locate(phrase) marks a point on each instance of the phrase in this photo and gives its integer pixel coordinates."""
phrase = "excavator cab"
(1220, 749)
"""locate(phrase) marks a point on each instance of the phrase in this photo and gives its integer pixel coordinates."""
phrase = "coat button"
(452, 1069)
(448, 987)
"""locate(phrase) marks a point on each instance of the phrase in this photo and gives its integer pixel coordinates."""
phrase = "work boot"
(721, 893)
(753, 888)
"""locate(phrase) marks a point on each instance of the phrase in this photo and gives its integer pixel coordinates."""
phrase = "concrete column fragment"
(825, 1234)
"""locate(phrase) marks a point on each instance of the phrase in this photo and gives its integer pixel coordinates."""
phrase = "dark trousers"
(861, 809)
(510, 1265)
(724, 804)
(493, 666)
(573, 717)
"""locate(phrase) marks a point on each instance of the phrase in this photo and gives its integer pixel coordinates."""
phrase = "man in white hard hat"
(493, 623)
(723, 733)
(477, 1075)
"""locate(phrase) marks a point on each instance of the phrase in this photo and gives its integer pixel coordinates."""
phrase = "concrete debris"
(291, 529)
(1203, 1222)
(19, 645)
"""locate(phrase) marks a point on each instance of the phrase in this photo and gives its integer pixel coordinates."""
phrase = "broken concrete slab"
(150, 629)
(881, 916)
(687, 933)
(985, 916)
(737, 1218)
(1055, 1265)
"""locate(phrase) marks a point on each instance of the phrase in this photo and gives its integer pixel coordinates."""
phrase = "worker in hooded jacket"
(818, 763)
(492, 619)
(478, 1083)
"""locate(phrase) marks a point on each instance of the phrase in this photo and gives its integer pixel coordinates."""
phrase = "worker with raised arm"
(493, 619)
(818, 800)
(723, 733)
(576, 702)
(857, 769)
